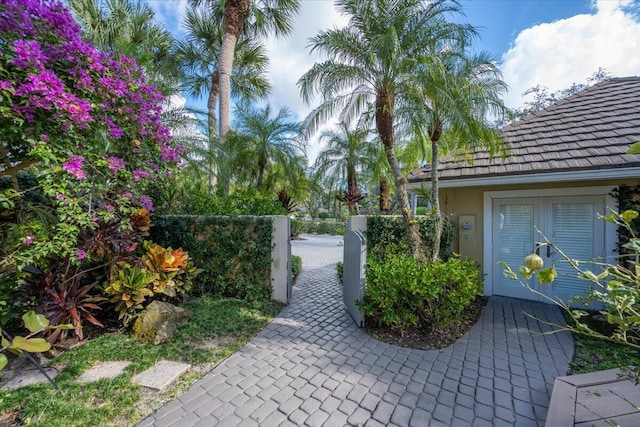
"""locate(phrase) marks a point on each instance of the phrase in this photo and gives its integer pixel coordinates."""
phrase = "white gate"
(353, 283)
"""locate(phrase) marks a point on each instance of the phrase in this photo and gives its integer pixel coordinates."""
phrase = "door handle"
(548, 251)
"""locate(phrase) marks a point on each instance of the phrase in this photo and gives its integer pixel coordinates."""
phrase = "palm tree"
(261, 140)
(198, 53)
(347, 155)
(455, 109)
(256, 19)
(372, 62)
(129, 27)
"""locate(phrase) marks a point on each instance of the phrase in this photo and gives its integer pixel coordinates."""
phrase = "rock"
(159, 322)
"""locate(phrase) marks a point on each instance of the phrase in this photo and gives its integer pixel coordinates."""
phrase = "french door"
(570, 222)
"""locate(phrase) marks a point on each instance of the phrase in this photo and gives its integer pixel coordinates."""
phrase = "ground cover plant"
(593, 354)
(216, 329)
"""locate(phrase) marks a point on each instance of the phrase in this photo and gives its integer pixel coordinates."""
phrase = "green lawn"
(216, 329)
(595, 355)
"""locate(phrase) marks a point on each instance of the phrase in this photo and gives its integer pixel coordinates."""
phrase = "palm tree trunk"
(352, 188)
(435, 135)
(384, 196)
(262, 164)
(384, 125)
(212, 102)
(235, 14)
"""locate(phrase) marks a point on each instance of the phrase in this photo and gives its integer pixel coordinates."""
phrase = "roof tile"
(589, 130)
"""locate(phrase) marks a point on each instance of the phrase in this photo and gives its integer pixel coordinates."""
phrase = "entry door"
(570, 222)
(574, 227)
(514, 238)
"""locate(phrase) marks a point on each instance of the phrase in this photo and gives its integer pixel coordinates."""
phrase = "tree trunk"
(384, 125)
(212, 103)
(262, 164)
(235, 14)
(385, 198)
(435, 133)
(352, 187)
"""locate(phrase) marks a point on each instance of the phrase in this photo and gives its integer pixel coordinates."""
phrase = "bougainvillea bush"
(87, 126)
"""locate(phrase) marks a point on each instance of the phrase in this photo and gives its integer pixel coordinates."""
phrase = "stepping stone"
(103, 370)
(30, 377)
(160, 375)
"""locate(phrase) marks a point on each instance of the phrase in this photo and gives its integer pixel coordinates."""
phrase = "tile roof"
(590, 130)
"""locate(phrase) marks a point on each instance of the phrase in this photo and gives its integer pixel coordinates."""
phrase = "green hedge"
(316, 227)
(234, 252)
(384, 232)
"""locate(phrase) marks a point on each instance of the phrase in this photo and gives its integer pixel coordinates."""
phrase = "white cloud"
(170, 13)
(290, 58)
(560, 53)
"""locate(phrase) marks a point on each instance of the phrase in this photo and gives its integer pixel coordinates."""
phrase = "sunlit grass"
(216, 329)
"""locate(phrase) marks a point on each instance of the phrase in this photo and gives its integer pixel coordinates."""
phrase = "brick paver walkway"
(312, 366)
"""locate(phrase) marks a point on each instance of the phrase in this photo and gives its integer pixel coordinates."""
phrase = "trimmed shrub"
(403, 293)
(323, 215)
(234, 252)
(297, 228)
(422, 210)
(316, 227)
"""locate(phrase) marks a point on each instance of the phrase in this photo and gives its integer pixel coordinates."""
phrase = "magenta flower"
(74, 167)
(80, 254)
(147, 203)
(28, 240)
(28, 54)
(138, 174)
(115, 164)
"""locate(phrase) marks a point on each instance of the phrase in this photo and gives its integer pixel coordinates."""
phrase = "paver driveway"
(313, 366)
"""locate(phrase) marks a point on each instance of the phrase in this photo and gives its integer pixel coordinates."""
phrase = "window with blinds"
(516, 236)
(572, 230)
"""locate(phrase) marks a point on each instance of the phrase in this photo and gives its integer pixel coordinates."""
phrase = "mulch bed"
(434, 337)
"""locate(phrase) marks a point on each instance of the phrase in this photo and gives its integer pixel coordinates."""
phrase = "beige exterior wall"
(466, 205)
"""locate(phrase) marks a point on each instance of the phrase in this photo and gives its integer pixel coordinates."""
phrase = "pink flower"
(80, 254)
(28, 240)
(115, 164)
(139, 174)
(74, 167)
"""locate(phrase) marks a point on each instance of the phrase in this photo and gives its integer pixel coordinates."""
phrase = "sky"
(551, 43)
